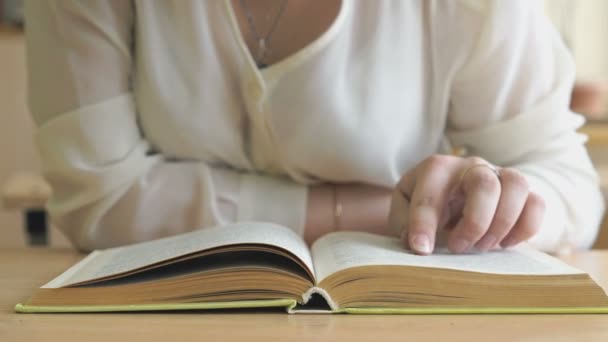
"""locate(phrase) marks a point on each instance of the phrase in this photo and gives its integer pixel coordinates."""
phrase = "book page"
(342, 250)
(123, 259)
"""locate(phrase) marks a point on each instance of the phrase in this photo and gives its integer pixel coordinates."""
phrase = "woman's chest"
(355, 99)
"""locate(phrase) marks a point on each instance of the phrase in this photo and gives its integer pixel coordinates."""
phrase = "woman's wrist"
(353, 207)
(319, 212)
(364, 208)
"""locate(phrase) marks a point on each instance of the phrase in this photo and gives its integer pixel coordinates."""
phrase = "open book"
(265, 265)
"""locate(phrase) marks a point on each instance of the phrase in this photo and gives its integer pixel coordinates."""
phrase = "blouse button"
(254, 89)
(256, 93)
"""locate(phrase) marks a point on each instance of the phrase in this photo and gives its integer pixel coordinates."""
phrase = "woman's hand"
(469, 200)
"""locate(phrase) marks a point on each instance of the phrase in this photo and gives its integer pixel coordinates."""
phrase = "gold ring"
(493, 168)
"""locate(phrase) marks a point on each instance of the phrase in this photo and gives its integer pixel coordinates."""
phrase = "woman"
(160, 117)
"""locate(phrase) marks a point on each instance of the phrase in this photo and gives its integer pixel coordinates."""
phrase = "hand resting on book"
(475, 204)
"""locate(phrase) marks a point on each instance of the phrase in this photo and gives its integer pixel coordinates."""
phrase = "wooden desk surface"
(23, 270)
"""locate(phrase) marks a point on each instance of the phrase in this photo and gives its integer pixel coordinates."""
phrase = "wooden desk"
(602, 239)
(23, 270)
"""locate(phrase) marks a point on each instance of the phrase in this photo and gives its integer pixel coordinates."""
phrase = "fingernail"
(460, 245)
(486, 242)
(421, 244)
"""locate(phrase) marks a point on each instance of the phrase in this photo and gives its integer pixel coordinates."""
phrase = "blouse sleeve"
(510, 105)
(109, 189)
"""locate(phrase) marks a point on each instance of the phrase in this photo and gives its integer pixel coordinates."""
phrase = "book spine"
(311, 305)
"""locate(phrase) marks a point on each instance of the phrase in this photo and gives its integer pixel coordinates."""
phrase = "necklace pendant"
(262, 44)
(262, 50)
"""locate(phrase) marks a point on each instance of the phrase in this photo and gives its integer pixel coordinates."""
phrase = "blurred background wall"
(584, 27)
(17, 152)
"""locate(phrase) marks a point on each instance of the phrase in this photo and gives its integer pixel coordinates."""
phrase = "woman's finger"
(400, 204)
(513, 196)
(432, 187)
(481, 188)
(528, 223)
(398, 215)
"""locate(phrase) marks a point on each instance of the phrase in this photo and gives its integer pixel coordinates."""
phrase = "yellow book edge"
(286, 303)
(473, 310)
(290, 304)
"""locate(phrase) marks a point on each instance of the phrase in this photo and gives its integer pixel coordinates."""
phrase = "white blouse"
(154, 120)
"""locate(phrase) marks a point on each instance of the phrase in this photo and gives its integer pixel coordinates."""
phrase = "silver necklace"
(263, 42)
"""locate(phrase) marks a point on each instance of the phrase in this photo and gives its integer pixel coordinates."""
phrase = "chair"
(29, 193)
